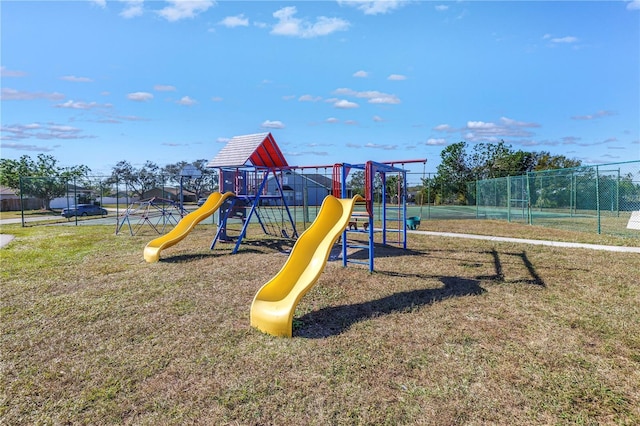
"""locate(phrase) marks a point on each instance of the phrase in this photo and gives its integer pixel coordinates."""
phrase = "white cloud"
(216, 99)
(235, 21)
(268, 124)
(140, 96)
(436, 142)
(515, 123)
(372, 96)
(444, 128)
(396, 77)
(361, 74)
(378, 119)
(633, 5)
(599, 114)
(132, 8)
(309, 98)
(332, 120)
(101, 3)
(4, 72)
(344, 104)
(567, 39)
(374, 7)
(8, 94)
(164, 88)
(42, 132)
(379, 146)
(23, 147)
(312, 153)
(477, 131)
(75, 79)
(441, 7)
(288, 25)
(182, 9)
(82, 105)
(186, 101)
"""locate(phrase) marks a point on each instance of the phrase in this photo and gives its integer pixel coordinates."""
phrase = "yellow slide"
(177, 234)
(274, 304)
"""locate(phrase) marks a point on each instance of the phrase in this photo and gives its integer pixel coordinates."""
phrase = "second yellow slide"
(274, 304)
(186, 224)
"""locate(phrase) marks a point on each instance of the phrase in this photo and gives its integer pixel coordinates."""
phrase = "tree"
(356, 182)
(41, 178)
(206, 182)
(545, 161)
(453, 174)
(393, 186)
(139, 180)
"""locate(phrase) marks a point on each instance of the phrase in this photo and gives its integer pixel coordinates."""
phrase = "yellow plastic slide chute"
(274, 304)
(177, 234)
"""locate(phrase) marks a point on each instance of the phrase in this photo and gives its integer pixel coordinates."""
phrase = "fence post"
(529, 216)
(21, 203)
(618, 194)
(75, 198)
(572, 194)
(598, 197)
(508, 198)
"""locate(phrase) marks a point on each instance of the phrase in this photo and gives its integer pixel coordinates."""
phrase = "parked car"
(84, 210)
(201, 201)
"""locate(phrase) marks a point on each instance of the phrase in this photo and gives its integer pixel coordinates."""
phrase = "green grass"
(451, 331)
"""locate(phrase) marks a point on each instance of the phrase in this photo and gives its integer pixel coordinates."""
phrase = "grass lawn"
(451, 331)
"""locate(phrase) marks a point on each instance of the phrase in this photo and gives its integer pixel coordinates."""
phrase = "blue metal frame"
(255, 200)
(383, 169)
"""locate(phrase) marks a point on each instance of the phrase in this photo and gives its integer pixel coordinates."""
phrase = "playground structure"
(157, 213)
(252, 174)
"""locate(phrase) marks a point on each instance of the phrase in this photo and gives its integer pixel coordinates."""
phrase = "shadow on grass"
(534, 279)
(336, 320)
(381, 251)
(247, 247)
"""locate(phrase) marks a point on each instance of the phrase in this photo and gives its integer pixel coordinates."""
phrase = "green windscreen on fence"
(591, 198)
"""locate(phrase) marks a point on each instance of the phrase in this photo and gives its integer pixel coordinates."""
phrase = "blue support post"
(256, 200)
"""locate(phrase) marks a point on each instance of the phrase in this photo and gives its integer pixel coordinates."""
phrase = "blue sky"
(96, 82)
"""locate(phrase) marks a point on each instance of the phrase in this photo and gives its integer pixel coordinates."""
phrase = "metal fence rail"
(596, 199)
(590, 198)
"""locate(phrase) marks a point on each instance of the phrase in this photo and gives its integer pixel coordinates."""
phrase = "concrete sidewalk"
(5, 239)
(534, 242)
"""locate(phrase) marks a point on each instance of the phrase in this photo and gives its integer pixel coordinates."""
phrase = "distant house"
(75, 195)
(10, 201)
(299, 188)
(170, 193)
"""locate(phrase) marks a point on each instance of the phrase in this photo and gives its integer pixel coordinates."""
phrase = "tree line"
(461, 164)
(44, 178)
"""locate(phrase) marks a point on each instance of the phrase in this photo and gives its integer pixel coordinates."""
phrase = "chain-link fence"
(103, 199)
(590, 198)
(597, 199)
